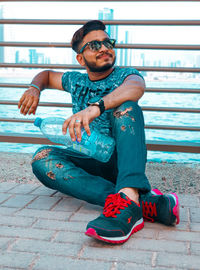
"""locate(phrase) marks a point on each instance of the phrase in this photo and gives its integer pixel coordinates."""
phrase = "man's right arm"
(46, 79)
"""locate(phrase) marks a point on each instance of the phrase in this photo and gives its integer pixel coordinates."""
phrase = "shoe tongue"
(124, 196)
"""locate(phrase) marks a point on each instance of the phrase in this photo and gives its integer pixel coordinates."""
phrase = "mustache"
(104, 53)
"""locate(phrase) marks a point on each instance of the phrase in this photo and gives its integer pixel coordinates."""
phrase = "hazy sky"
(89, 10)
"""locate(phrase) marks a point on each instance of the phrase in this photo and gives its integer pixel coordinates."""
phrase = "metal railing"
(151, 145)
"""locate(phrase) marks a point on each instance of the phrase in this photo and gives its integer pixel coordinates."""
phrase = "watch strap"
(101, 106)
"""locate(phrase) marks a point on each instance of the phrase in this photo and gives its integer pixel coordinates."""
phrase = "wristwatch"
(96, 101)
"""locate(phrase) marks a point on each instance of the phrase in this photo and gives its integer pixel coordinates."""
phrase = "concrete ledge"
(176, 177)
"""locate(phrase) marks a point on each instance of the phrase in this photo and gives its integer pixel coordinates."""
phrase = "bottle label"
(80, 148)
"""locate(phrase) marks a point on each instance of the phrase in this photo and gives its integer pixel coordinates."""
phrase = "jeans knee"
(128, 105)
(127, 111)
(41, 153)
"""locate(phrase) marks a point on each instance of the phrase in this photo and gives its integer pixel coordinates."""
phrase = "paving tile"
(195, 215)
(114, 253)
(19, 232)
(195, 227)
(179, 236)
(45, 247)
(7, 211)
(42, 190)
(188, 200)
(23, 189)
(55, 215)
(68, 205)
(16, 260)
(183, 261)
(4, 196)
(134, 266)
(5, 186)
(16, 221)
(19, 201)
(60, 225)
(43, 203)
(83, 217)
(156, 245)
(57, 263)
(71, 237)
(4, 241)
(195, 248)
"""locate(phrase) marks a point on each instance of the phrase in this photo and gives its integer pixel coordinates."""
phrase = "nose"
(103, 48)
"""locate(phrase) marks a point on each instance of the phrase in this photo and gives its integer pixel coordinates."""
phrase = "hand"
(79, 120)
(29, 101)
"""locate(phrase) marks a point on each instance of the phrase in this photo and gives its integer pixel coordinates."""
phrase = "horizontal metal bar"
(101, 1)
(66, 66)
(148, 89)
(165, 127)
(109, 22)
(171, 109)
(168, 146)
(120, 46)
(144, 108)
(172, 90)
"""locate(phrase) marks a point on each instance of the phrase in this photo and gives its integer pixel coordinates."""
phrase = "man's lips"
(104, 55)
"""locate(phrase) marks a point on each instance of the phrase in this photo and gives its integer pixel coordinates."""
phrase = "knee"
(41, 154)
(127, 106)
(127, 111)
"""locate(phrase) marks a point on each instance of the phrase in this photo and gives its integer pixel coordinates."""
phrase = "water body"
(149, 99)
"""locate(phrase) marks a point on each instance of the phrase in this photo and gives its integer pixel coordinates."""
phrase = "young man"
(106, 98)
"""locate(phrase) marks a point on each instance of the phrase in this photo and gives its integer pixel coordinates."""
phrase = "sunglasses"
(95, 45)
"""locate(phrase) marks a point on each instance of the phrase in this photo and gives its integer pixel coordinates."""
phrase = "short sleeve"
(66, 81)
(131, 71)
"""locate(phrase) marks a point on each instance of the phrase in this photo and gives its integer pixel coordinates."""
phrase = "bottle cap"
(38, 122)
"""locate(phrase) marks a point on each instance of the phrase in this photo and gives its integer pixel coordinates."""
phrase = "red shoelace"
(149, 210)
(114, 203)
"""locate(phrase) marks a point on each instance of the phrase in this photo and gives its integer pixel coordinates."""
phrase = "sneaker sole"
(175, 210)
(116, 240)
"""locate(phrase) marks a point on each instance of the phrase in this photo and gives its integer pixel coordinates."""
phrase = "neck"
(95, 76)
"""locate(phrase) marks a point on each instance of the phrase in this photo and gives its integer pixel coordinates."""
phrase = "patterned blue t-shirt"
(82, 89)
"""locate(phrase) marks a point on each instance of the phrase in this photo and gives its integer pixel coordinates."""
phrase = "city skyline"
(124, 56)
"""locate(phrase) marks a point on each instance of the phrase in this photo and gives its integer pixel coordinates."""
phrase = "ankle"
(132, 193)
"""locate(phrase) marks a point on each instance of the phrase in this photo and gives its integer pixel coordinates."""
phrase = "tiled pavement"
(43, 229)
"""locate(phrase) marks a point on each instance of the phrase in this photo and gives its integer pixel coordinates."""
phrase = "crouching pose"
(106, 98)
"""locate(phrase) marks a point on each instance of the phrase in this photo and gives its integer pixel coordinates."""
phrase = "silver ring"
(78, 121)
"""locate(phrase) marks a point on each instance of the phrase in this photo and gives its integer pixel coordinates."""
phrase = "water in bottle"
(97, 145)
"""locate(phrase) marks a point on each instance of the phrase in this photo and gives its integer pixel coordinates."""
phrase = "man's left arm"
(131, 89)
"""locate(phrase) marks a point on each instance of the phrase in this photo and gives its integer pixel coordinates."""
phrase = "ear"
(80, 59)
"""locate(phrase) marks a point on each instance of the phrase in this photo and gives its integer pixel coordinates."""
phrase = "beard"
(94, 68)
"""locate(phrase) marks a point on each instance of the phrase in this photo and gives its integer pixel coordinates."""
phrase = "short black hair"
(83, 31)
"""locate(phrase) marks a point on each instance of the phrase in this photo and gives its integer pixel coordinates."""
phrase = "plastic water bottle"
(97, 145)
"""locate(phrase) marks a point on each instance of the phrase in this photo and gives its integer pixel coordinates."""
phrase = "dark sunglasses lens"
(95, 45)
(110, 43)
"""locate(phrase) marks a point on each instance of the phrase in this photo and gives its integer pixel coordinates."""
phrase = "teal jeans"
(91, 180)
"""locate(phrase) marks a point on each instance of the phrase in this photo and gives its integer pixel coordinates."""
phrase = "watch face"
(94, 100)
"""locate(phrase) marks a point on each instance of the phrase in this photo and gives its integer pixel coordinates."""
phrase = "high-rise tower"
(1, 36)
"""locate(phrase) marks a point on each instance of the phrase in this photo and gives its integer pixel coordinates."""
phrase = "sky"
(89, 10)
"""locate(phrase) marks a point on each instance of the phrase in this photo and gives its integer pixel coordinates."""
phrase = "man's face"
(101, 60)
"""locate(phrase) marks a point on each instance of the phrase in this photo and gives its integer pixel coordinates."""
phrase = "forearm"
(48, 79)
(129, 90)
(41, 80)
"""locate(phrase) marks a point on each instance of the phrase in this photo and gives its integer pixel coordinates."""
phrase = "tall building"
(123, 56)
(1, 36)
(108, 14)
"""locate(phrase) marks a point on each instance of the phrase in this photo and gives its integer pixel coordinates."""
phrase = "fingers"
(86, 126)
(29, 102)
(74, 124)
